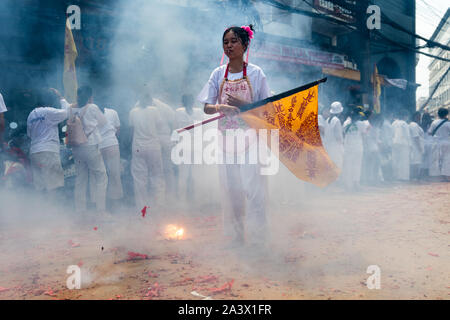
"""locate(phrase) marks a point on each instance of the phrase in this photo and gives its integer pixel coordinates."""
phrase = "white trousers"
(146, 165)
(244, 198)
(336, 153)
(351, 168)
(400, 161)
(89, 159)
(47, 171)
(169, 167)
(440, 159)
(111, 157)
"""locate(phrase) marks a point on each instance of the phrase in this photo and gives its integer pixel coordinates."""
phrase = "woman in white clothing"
(244, 188)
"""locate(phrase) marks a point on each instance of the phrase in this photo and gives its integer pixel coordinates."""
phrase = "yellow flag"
(70, 75)
(376, 81)
(295, 114)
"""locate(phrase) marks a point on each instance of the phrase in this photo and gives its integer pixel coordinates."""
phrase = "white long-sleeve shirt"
(443, 133)
(401, 133)
(42, 128)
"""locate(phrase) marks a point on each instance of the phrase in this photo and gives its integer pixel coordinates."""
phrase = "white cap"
(336, 107)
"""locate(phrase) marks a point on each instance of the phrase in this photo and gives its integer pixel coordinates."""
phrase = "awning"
(343, 73)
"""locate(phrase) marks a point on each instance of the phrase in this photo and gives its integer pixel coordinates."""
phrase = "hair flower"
(249, 31)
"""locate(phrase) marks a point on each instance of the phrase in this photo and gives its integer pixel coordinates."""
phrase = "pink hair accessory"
(249, 31)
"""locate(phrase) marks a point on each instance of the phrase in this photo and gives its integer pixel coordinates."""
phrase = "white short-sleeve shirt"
(108, 131)
(257, 78)
(92, 119)
(146, 123)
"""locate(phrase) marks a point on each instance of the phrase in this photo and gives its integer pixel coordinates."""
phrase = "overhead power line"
(398, 44)
(349, 25)
(434, 90)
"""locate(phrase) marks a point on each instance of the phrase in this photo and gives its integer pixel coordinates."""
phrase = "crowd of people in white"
(369, 148)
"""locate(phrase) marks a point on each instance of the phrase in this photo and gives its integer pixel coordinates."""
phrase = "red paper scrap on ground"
(183, 282)
(144, 211)
(154, 291)
(226, 287)
(202, 279)
(80, 264)
(73, 244)
(135, 256)
(50, 293)
(433, 254)
(95, 228)
(3, 289)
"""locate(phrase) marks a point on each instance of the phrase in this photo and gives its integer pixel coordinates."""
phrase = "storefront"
(288, 66)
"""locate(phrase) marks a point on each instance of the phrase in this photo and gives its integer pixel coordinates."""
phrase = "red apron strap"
(244, 71)
(226, 72)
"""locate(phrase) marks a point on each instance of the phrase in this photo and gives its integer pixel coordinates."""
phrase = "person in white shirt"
(372, 148)
(323, 125)
(187, 173)
(2, 119)
(428, 142)
(167, 126)
(440, 149)
(385, 146)
(417, 146)
(244, 188)
(146, 161)
(401, 144)
(87, 156)
(42, 128)
(334, 135)
(109, 148)
(354, 130)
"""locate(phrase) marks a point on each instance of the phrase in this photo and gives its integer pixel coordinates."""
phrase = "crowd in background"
(369, 148)
(102, 177)
(375, 148)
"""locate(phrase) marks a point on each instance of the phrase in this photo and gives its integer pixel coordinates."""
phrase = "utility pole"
(364, 54)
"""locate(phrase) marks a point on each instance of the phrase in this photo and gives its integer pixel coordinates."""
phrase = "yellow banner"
(376, 81)
(70, 75)
(300, 145)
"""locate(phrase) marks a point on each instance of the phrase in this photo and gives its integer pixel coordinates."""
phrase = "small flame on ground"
(174, 232)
